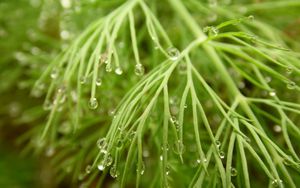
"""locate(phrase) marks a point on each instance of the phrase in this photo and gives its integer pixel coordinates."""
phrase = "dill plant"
(174, 94)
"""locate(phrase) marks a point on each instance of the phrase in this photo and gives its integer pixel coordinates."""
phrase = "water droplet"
(218, 143)
(212, 17)
(47, 105)
(113, 172)
(146, 153)
(233, 171)
(108, 160)
(268, 79)
(119, 71)
(82, 80)
(119, 143)
(212, 3)
(174, 100)
(276, 182)
(161, 157)
(173, 53)
(182, 68)
(289, 69)
(93, 103)
(222, 154)
(88, 169)
(272, 93)
(251, 18)
(179, 147)
(103, 58)
(98, 82)
(185, 106)
(173, 120)
(139, 70)
(291, 85)
(277, 128)
(167, 170)
(108, 67)
(101, 166)
(101, 143)
(54, 73)
(142, 169)
(174, 110)
(50, 151)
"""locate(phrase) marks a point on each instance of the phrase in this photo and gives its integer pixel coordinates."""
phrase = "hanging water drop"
(251, 18)
(291, 85)
(101, 143)
(88, 169)
(108, 160)
(218, 143)
(222, 154)
(277, 128)
(276, 183)
(272, 93)
(289, 69)
(54, 73)
(212, 3)
(101, 166)
(174, 100)
(139, 69)
(173, 53)
(82, 80)
(113, 172)
(167, 170)
(141, 171)
(233, 171)
(119, 71)
(108, 67)
(182, 67)
(93, 103)
(98, 82)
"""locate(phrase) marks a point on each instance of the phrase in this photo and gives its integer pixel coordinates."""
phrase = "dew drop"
(88, 169)
(233, 171)
(141, 171)
(101, 166)
(276, 182)
(167, 170)
(113, 172)
(272, 93)
(212, 3)
(119, 143)
(108, 67)
(101, 143)
(182, 67)
(98, 82)
(179, 148)
(222, 154)
(50, 151)
(251, 18)
(47, 105)
(54, 73)
(277, 128)
(174, 100)
(82, 80)
(289, 69)
(173, 53)
(108, 160)
(218, 143)
(161, 158)
(93, 103)
(291, 85)
(139, 70)
(119, 71)
(173, 120)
